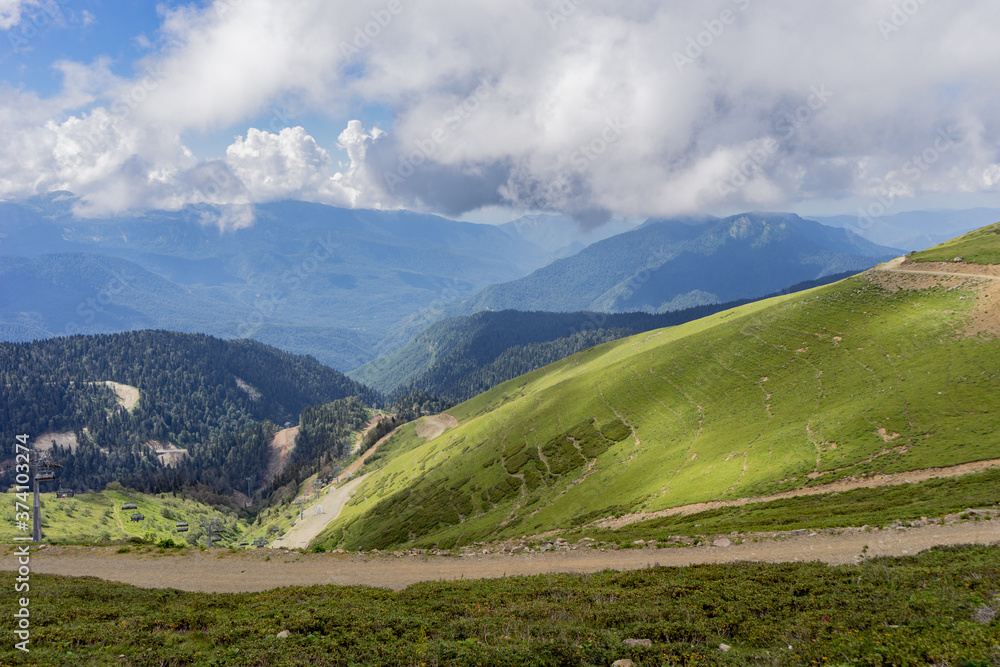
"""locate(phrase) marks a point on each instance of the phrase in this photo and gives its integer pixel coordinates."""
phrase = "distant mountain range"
(342, 285)
(668, 265)
(351, 286)
(914, 230)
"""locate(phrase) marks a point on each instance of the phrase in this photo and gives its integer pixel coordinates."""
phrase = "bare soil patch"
(431, 427)
(128, 396)
(168, 453)
(280, 450)
(65, 439)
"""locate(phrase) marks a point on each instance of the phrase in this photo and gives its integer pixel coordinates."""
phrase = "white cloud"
(288, 164)
(11, 10)
(536, 135)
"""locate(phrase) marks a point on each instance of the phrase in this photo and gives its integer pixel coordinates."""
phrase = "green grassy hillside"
(99, 518)
(462, 357)
(937, 608)
(844, 380)
(979, 247)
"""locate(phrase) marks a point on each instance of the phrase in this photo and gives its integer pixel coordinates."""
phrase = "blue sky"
(625, 109)
(125, 31)
(81, 30)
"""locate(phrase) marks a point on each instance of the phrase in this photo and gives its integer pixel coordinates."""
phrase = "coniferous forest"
(221, 401)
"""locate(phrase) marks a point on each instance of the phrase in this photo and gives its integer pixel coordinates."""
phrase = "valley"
(653, 432)
(841, 423)
(500, 334)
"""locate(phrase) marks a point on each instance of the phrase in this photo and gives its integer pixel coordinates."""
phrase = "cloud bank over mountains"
(635, 108)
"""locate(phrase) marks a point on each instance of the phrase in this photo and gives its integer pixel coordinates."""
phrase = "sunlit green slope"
(844, 380)
(981, 246)
(100, 518)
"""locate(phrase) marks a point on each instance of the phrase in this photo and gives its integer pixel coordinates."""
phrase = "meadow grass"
(844, 380)
(97, 518)
(981, 246)
(938, 608)
(931, 499)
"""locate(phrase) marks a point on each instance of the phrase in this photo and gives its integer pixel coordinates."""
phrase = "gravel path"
(302, 533)
(247, 571)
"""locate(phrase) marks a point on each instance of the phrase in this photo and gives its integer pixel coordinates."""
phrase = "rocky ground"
(222, 570)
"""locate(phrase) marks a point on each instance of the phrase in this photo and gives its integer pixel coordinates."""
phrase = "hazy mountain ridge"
(671, 264)
(362, 281)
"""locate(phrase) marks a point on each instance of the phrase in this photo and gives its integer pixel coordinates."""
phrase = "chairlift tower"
(211, 525)
(42, 471)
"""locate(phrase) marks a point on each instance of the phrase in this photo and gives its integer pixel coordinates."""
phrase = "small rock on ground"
(638, 642)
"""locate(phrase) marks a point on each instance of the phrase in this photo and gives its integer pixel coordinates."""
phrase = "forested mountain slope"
(461, 357)
(218, 400)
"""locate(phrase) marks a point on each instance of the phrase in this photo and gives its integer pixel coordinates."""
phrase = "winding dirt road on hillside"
(305, 531)
(902, 265)
(248, 571)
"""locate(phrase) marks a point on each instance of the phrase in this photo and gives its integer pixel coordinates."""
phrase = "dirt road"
(369, 425)
(247, 571)
(305, 531)
(873, 482)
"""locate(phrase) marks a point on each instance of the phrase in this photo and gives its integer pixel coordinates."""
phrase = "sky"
(485, 110)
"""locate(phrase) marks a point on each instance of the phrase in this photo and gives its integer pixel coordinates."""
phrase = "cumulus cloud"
(596, 109)
(10, 12)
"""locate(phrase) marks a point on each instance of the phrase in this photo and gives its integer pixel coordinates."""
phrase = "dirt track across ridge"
(873, 482)
(247, 571)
